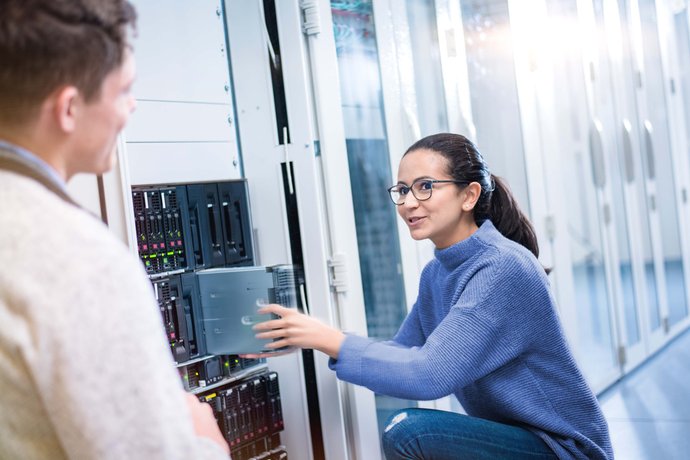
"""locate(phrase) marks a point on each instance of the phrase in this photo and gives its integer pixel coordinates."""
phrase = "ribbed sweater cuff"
(348, 366)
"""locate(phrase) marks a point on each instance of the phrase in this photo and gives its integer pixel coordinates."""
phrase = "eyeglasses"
(421, 189)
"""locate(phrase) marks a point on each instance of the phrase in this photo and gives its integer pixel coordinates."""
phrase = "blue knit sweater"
(484, 328)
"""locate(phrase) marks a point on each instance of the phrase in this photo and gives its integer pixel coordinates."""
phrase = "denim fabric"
(425, 434)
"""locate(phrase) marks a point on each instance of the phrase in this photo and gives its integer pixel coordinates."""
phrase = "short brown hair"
(45, 44)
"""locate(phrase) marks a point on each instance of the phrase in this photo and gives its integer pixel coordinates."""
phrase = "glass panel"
(662, 165)
(678, 308)
(369, 162)
(596, 347)
(614, 128)
(682, 30)
(421, 17)
(493, 92)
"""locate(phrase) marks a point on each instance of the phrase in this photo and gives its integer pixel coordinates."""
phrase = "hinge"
(337, 273)
(666, 325)
(550, 225)
(621, 355)
(607, 214)
(684, 195)
(311, 24)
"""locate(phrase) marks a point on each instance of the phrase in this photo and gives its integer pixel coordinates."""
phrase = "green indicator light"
(170, 253)
(148, 264)
(165, 260)
(227, 364)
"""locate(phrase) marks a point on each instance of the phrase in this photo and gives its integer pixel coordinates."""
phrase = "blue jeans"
(425, 434)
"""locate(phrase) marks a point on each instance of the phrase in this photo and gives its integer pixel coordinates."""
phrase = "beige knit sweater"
(85, 372)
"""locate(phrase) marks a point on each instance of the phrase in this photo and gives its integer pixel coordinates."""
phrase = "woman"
(484, 327)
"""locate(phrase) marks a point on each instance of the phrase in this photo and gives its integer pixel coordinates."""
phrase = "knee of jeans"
(398, 423)
(391, 429)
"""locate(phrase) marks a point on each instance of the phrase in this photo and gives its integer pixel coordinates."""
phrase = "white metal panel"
(155, 121)
(261, 158)
(312, 221)
(679, 138)
(161, 163)
(180, 50)
(84, 189)
(117, 197)
(362, 430)
(260, 153)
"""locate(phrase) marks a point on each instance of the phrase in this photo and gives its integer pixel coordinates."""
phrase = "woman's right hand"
(294, 329)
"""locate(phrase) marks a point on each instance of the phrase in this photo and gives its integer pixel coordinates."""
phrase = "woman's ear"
(472, 192)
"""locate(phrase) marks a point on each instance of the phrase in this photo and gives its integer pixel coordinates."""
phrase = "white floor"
(649, 410)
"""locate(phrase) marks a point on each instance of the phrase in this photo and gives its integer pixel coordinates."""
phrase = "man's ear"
(472, 192)
(66, 108)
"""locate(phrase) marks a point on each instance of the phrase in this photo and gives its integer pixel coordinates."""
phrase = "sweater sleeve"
(479, 334)
(102, 368)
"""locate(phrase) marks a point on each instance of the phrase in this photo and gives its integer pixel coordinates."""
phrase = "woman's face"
(439, 218)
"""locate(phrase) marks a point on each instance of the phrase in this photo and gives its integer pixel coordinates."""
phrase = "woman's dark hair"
(495, 202)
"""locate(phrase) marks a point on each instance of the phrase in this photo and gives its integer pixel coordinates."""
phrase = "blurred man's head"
(66, 70)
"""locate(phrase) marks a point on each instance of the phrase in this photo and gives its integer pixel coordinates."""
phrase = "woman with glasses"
(484, 327)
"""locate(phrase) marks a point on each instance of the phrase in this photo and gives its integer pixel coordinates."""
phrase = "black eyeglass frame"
(431, 190)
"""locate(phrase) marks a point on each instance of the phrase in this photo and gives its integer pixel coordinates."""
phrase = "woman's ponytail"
(509, 219)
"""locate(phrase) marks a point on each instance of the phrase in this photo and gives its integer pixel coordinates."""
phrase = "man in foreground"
(85, 371)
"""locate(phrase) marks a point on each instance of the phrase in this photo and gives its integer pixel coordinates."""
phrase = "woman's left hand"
(294, 329)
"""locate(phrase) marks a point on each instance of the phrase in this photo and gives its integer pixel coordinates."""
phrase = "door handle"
(649, 149)
(596, 151)
(628, 162)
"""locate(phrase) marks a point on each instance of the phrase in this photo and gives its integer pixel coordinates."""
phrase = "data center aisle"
(649, 410)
